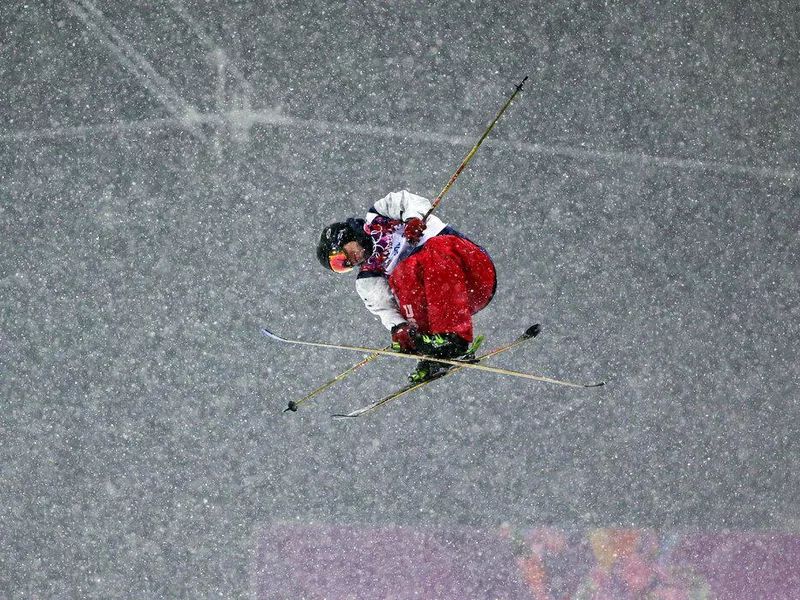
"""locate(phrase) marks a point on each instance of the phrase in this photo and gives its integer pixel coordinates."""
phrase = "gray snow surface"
(166, 168)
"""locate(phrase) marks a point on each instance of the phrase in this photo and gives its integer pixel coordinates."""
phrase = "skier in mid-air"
(423, 279)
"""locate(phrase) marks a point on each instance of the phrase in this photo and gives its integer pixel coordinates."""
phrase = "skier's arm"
(401, 205)
(379, 300)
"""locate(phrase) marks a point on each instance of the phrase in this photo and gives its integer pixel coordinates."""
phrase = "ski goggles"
(339, 262)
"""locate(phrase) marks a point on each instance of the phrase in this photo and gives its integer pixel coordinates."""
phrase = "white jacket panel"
(379, 300)
(404, 205)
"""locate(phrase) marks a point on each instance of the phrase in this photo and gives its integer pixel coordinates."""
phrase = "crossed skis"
(455, 365)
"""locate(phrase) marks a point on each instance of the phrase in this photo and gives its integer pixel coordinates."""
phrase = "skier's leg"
(407, 285)
(459, 279)
(446, 292)
(438, 289)
(410, 285)
(431, 291)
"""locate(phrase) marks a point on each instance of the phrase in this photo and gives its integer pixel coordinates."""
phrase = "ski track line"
(245, 118)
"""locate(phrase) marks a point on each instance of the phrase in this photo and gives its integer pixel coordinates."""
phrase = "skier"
(423, 279)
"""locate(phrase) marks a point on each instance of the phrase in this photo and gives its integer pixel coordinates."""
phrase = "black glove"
(403, 336)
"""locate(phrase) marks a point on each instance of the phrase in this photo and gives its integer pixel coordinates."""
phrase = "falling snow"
(166, 168)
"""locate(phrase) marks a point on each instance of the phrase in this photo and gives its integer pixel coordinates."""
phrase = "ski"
(455, 363)
(529, 333)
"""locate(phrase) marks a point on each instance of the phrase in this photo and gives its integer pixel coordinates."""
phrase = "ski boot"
(441, 345)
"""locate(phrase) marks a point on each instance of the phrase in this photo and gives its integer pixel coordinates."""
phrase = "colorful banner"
(335, 562)
(632, 563)
(344, 562)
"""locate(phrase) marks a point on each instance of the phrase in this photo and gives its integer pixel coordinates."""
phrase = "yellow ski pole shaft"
(472, 152)
(293, 405)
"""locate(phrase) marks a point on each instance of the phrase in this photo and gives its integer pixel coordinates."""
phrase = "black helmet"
(336, 235)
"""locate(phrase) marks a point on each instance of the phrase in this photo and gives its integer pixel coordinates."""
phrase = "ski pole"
(293, 405)
(472, 152)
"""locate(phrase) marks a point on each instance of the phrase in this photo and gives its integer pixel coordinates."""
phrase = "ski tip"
(271, 335)
(533, 331)
(598, 384)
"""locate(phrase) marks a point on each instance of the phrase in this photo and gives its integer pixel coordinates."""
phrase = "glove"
(414, 229)
(403, 336)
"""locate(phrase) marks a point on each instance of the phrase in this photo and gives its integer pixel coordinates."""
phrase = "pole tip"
(292, 406)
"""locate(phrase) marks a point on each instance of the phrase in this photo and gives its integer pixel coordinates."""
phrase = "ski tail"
(271, 335)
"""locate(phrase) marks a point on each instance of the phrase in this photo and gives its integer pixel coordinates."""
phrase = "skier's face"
(355, 253)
